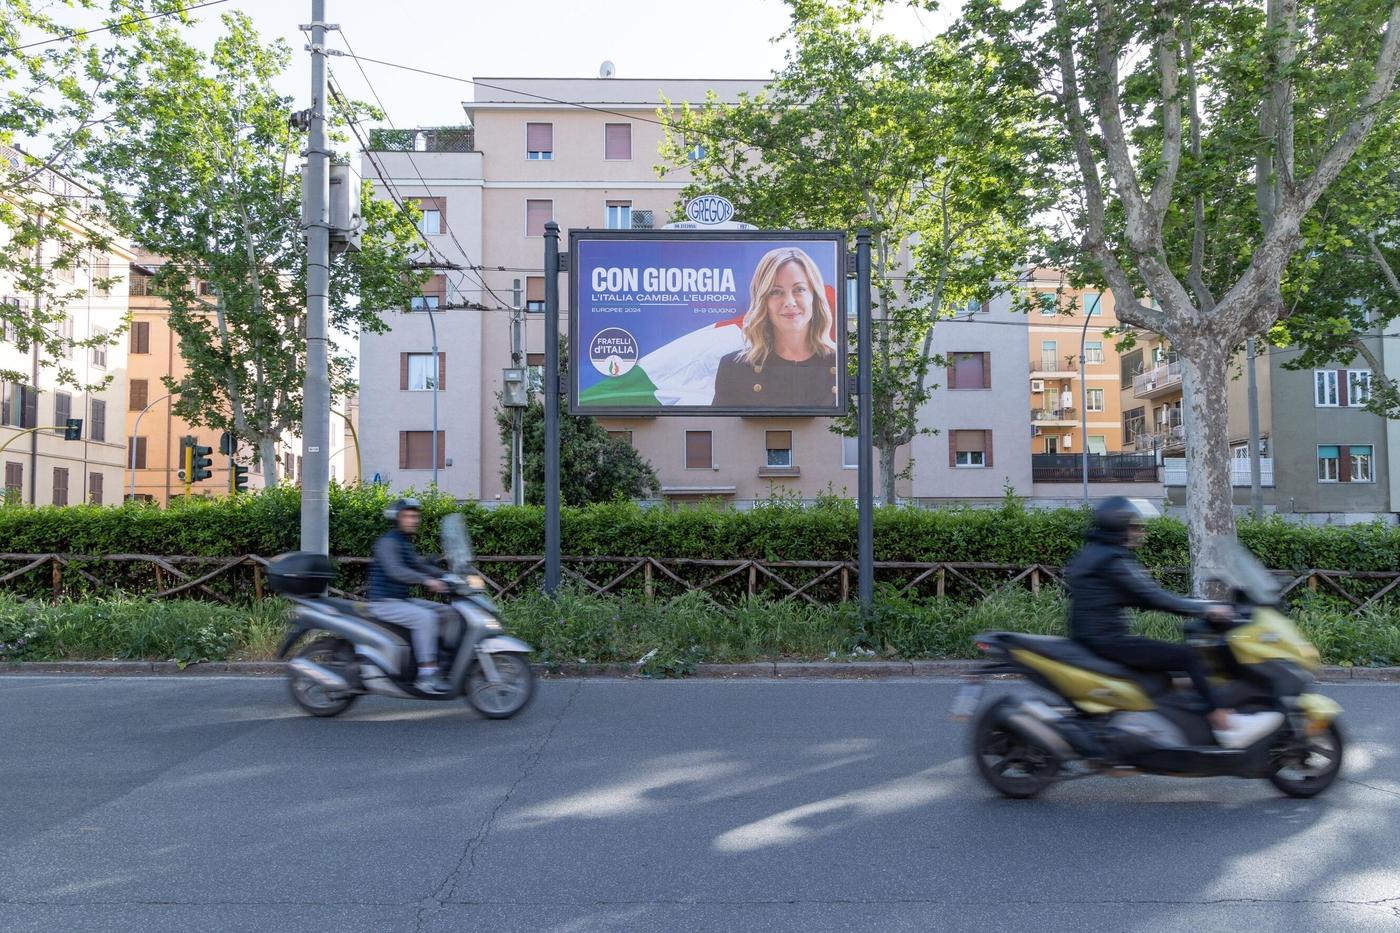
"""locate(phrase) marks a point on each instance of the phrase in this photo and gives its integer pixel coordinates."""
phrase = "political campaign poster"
(707, 323)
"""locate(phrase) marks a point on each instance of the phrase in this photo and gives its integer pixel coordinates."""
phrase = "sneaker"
(1246, 729)
(430, 681)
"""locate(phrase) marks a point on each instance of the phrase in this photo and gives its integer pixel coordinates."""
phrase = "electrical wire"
(78, 33)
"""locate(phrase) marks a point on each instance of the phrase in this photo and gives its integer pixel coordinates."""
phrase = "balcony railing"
(1055, 415)
(1174, 471)
(1164, 437)
(1053, 363)
(424, 139)
(1103, 468)
(1157, 380)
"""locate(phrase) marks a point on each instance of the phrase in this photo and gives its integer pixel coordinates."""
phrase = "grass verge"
(671, 638)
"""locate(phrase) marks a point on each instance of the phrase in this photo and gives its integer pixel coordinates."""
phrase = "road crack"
(466, 863)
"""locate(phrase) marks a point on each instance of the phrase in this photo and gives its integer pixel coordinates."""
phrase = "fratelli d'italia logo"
(613, 351)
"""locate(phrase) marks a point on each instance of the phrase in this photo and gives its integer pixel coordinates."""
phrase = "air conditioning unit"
(1037, 385)
(1151, 384)
(1067, 441)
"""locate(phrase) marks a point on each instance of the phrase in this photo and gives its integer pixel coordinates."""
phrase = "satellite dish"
(607, 70)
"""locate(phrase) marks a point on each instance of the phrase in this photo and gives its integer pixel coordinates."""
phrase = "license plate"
(965, 703)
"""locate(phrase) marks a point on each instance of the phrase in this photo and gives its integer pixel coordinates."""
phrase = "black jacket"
(777, 383)
(1105, 580)
(397, 567)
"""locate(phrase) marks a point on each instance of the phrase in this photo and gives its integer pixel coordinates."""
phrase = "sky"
(531, 38)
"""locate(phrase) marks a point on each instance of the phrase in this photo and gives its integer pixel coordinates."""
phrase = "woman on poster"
(789, 360)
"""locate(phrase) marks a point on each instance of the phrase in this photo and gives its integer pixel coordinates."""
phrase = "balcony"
(1103, 468)
(1174, 471)
(1162, 379)
(424, 139)
(1167, 437)
(1055, 418)
(1051, 366)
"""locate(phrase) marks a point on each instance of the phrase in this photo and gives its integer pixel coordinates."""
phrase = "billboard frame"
(841, 313)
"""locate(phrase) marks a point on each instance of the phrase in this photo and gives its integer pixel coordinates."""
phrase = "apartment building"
(487, 191)
(153, 430)
(41, 467)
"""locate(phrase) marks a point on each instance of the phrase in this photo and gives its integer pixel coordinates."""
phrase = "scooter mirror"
(456, 542)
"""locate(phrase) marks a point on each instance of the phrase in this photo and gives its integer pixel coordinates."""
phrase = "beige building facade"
(488, 191)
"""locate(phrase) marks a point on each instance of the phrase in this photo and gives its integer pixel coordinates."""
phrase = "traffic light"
(202, 461)
(187, 461)
(73, 429)
(237, 478)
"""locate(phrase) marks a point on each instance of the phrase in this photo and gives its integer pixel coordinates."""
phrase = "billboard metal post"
(865, 543)
(551, 409)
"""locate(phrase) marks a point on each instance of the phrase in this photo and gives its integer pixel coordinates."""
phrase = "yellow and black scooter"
(1109, 719)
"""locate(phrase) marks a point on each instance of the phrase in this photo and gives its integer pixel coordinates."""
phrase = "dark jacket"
(778, 382)
(397, 566)
(1105, 580)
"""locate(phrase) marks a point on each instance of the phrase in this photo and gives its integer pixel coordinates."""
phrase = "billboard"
(707, 323)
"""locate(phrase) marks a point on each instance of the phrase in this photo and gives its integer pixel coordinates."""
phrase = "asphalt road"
(174, 804)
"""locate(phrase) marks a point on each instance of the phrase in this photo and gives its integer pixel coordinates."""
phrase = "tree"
(1204, 136)
(53, 74)
(593, 467)
(859, 130)
(197, 155)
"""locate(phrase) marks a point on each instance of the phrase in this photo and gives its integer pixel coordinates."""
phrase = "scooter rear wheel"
(510, 695)
(1012, 764)
(311, 696)
(1313, 771)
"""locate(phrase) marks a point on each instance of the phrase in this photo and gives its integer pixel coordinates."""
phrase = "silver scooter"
(353, 652)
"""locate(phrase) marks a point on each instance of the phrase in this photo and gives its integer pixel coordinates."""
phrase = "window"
(21, 406)
(60, 485)
(416, 450)
(617, 141)
(850, 453)
(418, 374)
(1098, 444)
(14, 481)
(99, 352)
(433, 297)
(1346, 464)
(1129, 365)
(1358, 386)
(619, 215)
(14, 311)
(623, 436)
(539, 141)
(969, 449)
(95, 488)
(1328, 464)
(1049, 307)
(140, 337)
(538, 212)
(1361, 464)
(1133, 425)
(1093, 351)
(136, 452)
(1093, 304)
(696, 152)
(139, 392)
(206, 288)
(534, 293)
(62, 408)
(699, 450)
(65, 333)
(1325, 383)
(101, 270)
(1094, 400)
(140, 284)
(65, 271)
(430, 224)
(970, 370)
(779, 444)
(97, 424)
(534, 363)
(1240, 451)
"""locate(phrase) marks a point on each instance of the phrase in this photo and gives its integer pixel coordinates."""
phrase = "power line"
(76, 33)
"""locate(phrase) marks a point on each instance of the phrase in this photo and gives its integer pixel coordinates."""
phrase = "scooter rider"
(397, 566)
(1105, 580)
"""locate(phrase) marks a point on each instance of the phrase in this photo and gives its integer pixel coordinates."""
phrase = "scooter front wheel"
(510, 694)
(1310, 768)
(1013, 764)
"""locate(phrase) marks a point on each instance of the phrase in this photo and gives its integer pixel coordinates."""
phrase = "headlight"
(476, 582)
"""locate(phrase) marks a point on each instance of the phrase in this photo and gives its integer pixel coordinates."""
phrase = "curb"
(767, 670)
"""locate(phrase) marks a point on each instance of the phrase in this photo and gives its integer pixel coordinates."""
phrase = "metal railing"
(1160, 377)
(1174, 471)
(1070, 415)
(1103, 468)
(424, 139)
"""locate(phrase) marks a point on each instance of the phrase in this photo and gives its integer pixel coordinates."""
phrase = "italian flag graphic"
(681, 372)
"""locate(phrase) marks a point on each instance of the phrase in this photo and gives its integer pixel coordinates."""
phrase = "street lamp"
(135, 433)
(435, 367)
(1084, 408)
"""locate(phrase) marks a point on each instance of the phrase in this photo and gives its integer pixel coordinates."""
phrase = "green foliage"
(266, 523)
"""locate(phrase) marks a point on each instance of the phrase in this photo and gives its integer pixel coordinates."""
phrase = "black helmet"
(1114, 516)
(404, 504)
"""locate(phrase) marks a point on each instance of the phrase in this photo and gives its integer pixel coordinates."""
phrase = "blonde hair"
(759, 333)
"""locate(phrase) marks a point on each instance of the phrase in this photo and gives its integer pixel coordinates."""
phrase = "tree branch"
(1196, 277)
(1168, 63)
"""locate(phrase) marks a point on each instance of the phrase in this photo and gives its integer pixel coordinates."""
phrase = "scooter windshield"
(456, 542)
(1242, 570)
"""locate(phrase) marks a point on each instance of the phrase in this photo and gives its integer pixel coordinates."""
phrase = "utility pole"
(316, 415)
(865, 477)
(437, 372)
(552, 539)
(1256, 491)
(517, 416)
(1084, 409)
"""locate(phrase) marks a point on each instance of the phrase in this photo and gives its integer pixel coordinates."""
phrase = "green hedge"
(269, 524)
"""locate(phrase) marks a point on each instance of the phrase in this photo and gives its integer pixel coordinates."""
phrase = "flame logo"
(613, 368)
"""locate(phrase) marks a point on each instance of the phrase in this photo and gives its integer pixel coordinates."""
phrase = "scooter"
(1105, 718)
(354, 652)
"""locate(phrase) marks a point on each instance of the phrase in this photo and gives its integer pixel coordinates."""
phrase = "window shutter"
(403, 371)
(442, 374)
(141, 337)
(139, 393)
(98, 427)
(952, 371)
(699, 453)
(986, 371)
(1343, 393)
(778, 440)
(442, 448)
(31, 407)
(534, 288)
(618, 141)
(62, 408)
(403, 450)
(1344, 465)
(952, 448)
(539, 137)
(537, 214)
(95, 488)
(987, 447)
